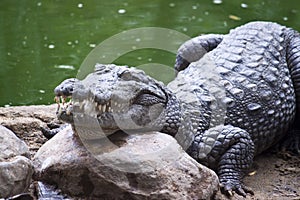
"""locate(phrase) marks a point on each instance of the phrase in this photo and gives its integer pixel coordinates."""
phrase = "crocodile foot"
(228, 188)
(52, 130)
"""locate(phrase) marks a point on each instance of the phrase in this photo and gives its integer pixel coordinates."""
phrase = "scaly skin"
(235, 96)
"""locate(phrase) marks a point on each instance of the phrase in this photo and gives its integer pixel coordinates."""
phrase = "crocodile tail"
(293, 60)
(195, 48)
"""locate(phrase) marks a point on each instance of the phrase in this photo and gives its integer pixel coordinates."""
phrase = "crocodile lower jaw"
(68, 109)
(85, 105)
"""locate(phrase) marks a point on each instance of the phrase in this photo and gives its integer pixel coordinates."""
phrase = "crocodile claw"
(230, 187)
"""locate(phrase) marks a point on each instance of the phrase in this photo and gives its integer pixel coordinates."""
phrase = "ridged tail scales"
(292, 142)
(293, 60)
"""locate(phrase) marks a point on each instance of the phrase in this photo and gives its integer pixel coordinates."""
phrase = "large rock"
(26, 122)
(148, 166)
(11, 145)
(15, 168)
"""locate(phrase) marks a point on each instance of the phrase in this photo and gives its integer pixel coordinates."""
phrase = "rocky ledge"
(29, 163)
(140, 166)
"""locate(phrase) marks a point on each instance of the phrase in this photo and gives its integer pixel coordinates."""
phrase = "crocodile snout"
(66, 88)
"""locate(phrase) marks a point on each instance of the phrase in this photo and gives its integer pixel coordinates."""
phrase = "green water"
(44, 42)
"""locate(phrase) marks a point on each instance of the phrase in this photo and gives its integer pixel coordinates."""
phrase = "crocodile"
(234, 96)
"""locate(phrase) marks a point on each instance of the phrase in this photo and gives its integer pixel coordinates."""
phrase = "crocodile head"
(119, 98)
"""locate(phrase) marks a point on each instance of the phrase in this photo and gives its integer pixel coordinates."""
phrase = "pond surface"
(45, 42)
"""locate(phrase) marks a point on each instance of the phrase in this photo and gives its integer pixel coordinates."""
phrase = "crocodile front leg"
(49, 133)
(229, 151)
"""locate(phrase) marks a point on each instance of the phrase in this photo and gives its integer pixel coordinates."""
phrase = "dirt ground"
(276, 178)
(272, 176)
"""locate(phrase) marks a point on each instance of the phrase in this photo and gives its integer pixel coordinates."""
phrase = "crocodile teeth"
(86, 105)
(63, 100)
(63, 104)
(57, 99)
(81, 104)
(104, 108)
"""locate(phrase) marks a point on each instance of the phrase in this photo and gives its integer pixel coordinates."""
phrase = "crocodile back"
(255, 89)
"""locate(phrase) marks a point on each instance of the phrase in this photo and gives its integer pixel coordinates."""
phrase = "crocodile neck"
(189, 116)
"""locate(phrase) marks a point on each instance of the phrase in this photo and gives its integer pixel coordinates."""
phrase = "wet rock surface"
(274, 177)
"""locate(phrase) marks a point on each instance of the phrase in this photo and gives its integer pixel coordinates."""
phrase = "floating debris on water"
(243, 5)
(234, 17)
(51, 46)
(64, 67)
(24, 43)
(217, 1)
(172, 5)
(121, 11)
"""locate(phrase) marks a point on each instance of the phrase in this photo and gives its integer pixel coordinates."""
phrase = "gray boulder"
(15, 168)
(148, 166)
(11, 145)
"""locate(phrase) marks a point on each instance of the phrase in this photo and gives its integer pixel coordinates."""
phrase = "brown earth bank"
(271, 177)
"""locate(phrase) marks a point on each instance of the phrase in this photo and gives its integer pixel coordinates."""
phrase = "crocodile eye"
(126, 75)
(147, 98)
